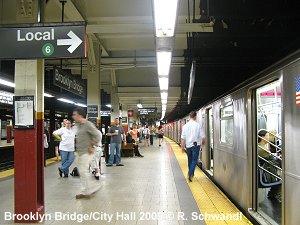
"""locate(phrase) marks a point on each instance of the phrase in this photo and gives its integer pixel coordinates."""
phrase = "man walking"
(116, 132)
(87, 137)
(192, 137)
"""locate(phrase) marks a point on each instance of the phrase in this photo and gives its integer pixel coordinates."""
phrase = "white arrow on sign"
(74, 41)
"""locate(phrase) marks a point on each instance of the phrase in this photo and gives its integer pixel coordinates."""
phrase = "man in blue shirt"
(191, 138)
(116, 132)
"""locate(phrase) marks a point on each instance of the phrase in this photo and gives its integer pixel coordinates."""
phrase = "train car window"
(226, 117)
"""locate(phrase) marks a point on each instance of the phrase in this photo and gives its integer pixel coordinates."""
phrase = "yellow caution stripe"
(11, 172)
(209, 198)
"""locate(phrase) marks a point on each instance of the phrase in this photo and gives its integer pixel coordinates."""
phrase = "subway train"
(252, 151)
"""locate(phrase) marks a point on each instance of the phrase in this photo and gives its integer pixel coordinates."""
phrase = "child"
(95, 164)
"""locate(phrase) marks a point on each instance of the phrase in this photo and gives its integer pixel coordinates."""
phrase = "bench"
(128, 150)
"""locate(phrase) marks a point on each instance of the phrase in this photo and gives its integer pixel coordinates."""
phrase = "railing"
(278, 149)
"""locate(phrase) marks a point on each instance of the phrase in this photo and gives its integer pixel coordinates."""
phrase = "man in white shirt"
(191, 138)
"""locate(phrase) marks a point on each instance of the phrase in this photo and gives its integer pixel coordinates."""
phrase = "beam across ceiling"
(145, 28)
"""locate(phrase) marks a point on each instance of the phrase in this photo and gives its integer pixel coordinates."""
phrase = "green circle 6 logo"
(48, 49)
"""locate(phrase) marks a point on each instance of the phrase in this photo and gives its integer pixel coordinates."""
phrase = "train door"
(210, 139)
(268, 157)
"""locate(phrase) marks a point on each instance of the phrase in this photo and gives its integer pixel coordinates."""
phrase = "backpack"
(75, 172)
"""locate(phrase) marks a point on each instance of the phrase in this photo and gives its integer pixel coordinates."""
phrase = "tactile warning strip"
(10, 172)
(209, 198)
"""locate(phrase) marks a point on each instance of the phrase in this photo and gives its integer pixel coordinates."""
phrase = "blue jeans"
(192, 154)
(151, 139)
(67, 158)
(115, 148)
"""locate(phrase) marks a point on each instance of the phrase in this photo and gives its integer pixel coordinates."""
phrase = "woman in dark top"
(129, 139)
(160, 135)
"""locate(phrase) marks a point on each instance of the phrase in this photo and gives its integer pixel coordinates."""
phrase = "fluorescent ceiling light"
(165, 12)
(108, 105)
(7, 83)
(164, 101)
(163, 83)
(66, 100)
(48, 95)
(81, 105)
(163, 113)
(163, 63)
(164, 95)
(139, 105)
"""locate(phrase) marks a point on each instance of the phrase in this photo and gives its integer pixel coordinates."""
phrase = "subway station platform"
(153, 188)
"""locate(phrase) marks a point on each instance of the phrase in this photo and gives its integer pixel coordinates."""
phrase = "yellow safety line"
(209, 198)
(10, 172)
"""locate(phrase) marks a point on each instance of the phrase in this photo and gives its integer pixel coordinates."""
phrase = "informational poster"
(24, 112)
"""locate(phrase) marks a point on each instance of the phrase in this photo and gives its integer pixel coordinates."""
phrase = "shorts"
(160, 136)
(56, 143)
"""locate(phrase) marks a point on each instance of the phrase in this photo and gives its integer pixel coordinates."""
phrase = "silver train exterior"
(234, 166)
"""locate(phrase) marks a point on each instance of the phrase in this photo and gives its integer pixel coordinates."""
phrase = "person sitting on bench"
(129, 139)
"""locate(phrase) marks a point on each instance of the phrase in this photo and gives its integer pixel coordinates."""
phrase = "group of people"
(147, 133)
(86, 138)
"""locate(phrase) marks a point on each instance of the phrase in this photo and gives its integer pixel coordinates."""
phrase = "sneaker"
(108, 164)
(120, 164)
(190, 178)
(97, 176)
(82, 196)
(60, 172)
(66, 175)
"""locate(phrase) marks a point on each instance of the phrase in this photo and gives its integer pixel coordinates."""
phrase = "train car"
(251, 150)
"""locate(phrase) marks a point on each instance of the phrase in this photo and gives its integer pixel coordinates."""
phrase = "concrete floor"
(151, 186)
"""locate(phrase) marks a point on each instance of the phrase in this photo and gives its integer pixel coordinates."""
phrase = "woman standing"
(66, 135)
(160, 135)
(152, 134)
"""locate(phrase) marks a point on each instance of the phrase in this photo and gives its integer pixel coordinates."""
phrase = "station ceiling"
(245, 37)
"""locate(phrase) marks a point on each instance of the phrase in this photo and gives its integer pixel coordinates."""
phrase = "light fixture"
(65, 100)
(165, 12)
(108, 105)
(7, 83)
(164, 101)
(139, 105)
(164, 95)
(163, 83)
(81, 105)
(163, 113)
(48, 95)
(163, 62)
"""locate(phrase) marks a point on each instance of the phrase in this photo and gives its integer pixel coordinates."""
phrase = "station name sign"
(69, 82)
(92, 111)
(147, 111)
(56, 40)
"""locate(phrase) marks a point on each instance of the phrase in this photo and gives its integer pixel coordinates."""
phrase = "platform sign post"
(33, 41)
